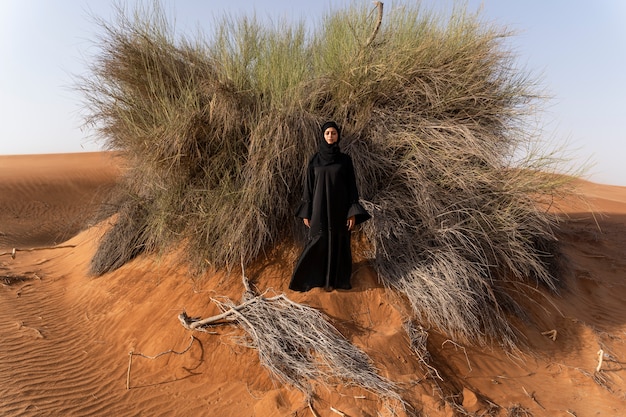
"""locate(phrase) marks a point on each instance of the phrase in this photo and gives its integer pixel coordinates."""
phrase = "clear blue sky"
(577, 47)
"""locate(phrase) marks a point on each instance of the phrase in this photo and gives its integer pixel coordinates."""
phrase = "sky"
(576, 48)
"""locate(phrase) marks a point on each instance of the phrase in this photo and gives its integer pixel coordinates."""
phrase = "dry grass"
(518, 411)
(123, 241)
(217, 133)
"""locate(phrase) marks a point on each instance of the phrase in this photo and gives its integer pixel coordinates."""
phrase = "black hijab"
(329, 153)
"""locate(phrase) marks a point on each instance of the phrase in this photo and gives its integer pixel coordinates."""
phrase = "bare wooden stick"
(551, 334)
(13, 252)
(132, 353)
(379, 6)
(313, 410)
(532, 397)
(600, 357)
(167, 351)
(190, 324)
(246, 284)
(334, 410)
(130, 362)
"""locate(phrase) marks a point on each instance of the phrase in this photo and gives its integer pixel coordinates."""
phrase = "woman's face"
(331, 135)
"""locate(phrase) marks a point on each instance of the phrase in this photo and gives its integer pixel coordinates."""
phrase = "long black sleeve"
(305, 210)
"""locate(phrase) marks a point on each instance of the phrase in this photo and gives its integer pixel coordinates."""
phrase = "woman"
(330, 209)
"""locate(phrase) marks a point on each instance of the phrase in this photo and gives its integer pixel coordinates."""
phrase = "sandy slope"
(66, 337)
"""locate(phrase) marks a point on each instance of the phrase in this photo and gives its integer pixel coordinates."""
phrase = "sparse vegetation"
(217, 131)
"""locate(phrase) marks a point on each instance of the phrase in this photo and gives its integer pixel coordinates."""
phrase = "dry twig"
(379, 6)
(532, 397)
(418, 337)
(341, 413)
(131, 354)
(310, 403)
(551, 334)
(600, 358)
(15, 250)
(456, 345)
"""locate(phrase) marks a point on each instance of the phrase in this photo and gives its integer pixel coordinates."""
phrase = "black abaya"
(330, 197)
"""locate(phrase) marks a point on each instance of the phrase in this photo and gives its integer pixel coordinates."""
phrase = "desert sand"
(66, 337)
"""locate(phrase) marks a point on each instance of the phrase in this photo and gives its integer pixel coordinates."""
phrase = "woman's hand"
(306, 223)
(351, 222)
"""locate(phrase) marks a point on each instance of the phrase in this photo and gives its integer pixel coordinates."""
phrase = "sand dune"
(66, 336)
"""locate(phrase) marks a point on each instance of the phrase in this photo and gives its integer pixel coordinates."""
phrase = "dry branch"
(379, 6)
(15, 250)
(341, 413)
(131, 354)
(457, 346)
(532, 397)
(551, 334)
(600, 358)
(296, 343)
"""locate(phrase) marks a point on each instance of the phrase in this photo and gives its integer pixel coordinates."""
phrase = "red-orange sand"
(65, 337)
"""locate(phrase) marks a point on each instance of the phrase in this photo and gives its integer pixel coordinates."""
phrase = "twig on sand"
(310, 403)
(551, 334)
(600, 358)
(130, 362)
(456, 345)
(341, 413)
(532, 397)
(15, 250)
(132, 353)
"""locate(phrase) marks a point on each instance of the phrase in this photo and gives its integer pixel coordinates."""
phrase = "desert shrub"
(217, 132)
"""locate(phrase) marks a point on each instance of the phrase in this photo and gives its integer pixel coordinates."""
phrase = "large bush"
(217, 130)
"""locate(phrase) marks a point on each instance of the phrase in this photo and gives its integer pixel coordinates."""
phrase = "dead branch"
(13, 252)
(551, 334)
(341, 413)
(456, 345)
(131, 354)
(249, 293)
(295, 342)
(532, 397)
(312, 409)
(191, 323)
(130, 362)
(600, 358)
(379, 6)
